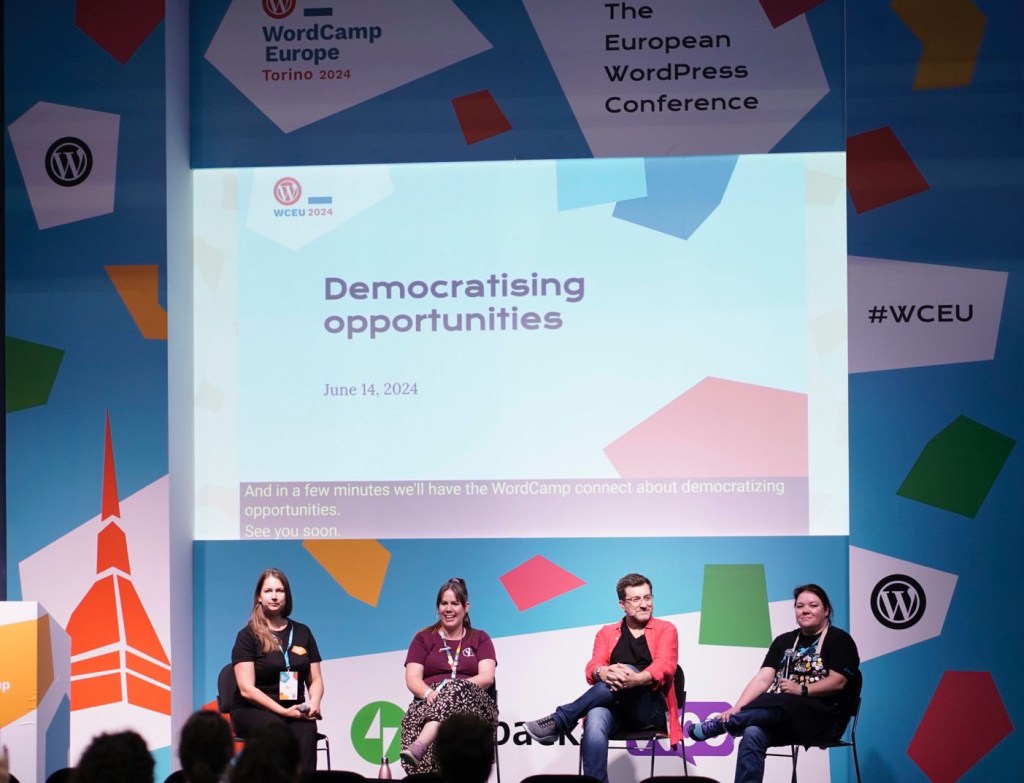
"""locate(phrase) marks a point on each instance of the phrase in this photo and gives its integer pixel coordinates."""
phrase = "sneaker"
(712, 727)
(413, 754)
(545, 731)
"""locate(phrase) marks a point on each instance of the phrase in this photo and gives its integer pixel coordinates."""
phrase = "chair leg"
(796, 752)
(856, 762)
(497, 761)
(654, 746)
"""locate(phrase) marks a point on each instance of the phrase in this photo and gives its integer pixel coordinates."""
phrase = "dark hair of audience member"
(115, 758)
(270, 755)
(465, 749)
(206, 747)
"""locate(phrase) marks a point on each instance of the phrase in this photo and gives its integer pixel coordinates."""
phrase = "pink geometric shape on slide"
(718, 428)
(944, 746)
(536, 581)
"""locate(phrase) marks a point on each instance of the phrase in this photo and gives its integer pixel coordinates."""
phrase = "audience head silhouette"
(271, 755)
(465, 749)
(115, 758)
(206, 747)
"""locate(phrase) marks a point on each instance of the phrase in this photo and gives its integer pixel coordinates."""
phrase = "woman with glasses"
(449, 669)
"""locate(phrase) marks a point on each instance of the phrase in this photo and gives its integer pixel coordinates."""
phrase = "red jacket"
(663, 642)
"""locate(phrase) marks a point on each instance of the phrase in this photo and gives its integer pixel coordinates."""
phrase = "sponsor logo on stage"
(279, 9)
(68, 161)
(898, 601)
(377, 731)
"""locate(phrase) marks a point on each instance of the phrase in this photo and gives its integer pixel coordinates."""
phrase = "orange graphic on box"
(26, 677)
(116, 655)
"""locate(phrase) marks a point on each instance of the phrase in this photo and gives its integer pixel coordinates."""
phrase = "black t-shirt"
(815, 719)
(632, 650)
(268, 666)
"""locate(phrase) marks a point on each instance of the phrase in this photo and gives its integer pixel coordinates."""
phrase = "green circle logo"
(377, 731)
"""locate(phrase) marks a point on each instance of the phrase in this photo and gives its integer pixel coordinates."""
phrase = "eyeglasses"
(638, 599)
(458, 580)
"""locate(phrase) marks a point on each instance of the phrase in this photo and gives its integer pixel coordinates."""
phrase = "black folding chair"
(651, 736)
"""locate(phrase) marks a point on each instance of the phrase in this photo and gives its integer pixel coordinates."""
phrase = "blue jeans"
(761, 728)
(608, 711)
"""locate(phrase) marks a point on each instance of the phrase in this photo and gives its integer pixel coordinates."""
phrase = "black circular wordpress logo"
(898, 601)
(68, 161)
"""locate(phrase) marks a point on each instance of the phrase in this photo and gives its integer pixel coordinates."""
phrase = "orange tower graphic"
(116, 655)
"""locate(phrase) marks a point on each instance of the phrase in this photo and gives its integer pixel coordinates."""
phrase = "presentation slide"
(526, 348)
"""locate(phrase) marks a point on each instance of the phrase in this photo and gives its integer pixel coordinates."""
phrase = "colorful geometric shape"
(31, 372)
(110, 505)
(734, 606)
(718, 428)
(781, 11)
(358, 566)
(139, 287)
(904, 314)
(681, 194)
(113, 640)
(119, 26)
(536, 581)
(957, 468)
(68, 159)
(875, 595)
(879, 171)
(950, 33)
(386, 49)
(587, 182)
(479, 116)
(964, 720)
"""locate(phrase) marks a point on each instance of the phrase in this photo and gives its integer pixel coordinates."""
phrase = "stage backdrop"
(930, 122)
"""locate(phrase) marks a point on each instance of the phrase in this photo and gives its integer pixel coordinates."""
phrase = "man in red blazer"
(630, 674)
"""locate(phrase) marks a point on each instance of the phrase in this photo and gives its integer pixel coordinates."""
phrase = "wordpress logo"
(279, 9)
(898, 601)
(377, 731)
(68, 161)
(287, 191)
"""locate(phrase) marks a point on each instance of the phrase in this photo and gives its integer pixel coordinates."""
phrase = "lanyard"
(817, 644)
(285, 651)
(453, 662)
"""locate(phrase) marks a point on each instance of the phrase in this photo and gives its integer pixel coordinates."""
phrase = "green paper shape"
(31, 372)
(957, 468)
(734, 606)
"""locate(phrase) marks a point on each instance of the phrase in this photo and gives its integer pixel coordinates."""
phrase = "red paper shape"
(781, 11)
(479, 116)
(119, 26)
(536, 581)
(879, 170)
(964, 720)
(715, 429)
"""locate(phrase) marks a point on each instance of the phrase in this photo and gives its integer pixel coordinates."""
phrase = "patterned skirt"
(458, 696)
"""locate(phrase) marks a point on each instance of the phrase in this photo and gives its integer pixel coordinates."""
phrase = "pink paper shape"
(536, 581)
(718, 429)
(963, 722)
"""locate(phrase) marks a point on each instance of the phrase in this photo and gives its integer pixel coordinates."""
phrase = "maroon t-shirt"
(426, 650)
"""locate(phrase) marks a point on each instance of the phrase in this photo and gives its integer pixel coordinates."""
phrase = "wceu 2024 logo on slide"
(68, 161)
(278, 9)
(898, 601)
(288, 195)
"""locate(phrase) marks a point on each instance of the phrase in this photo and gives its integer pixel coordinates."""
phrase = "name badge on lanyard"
(289, 686)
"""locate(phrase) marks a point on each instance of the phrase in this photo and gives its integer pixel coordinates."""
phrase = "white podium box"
(35, 706)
